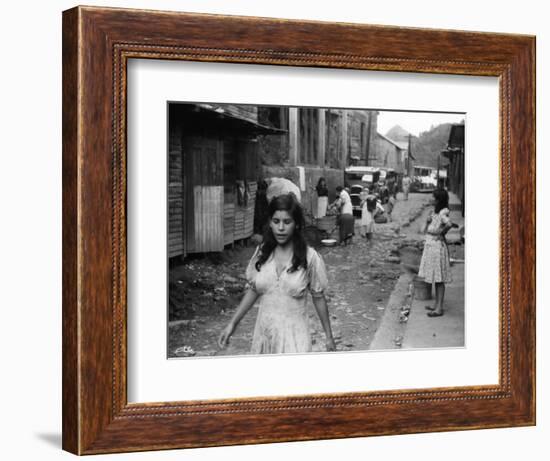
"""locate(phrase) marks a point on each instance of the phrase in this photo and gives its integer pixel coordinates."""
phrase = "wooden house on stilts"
(213, 167)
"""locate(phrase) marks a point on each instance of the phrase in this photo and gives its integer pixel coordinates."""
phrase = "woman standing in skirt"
(346, 221)
(322, 198)
(435, 265)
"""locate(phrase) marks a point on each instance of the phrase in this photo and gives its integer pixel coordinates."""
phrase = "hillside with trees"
(426, 147)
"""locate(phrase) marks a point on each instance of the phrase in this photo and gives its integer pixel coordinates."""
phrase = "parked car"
(359, 177)
(424, 179)
(356, 192)
(366, 176)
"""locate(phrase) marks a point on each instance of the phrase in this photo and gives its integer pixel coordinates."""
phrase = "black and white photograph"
(311, 229)
(184, 170)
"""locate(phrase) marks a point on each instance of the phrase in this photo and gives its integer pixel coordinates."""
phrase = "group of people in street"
(370, 204)
(342, 206)
(283, 269)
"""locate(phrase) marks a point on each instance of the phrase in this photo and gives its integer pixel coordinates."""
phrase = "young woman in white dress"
(281, 272)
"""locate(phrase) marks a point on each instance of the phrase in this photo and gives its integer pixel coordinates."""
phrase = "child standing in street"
(369, 204)
(389, 206)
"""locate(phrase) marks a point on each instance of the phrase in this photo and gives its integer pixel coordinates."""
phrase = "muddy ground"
(204, 291)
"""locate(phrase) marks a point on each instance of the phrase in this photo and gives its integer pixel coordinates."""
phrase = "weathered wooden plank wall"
(228, 221)
(247, 171)
(244, 214)
(175, 190)
(249, 212)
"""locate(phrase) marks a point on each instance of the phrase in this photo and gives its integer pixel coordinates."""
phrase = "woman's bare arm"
(246, 303)
(321, 307)
(424, 229)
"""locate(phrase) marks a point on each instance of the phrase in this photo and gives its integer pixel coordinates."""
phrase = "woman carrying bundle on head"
(346, 221)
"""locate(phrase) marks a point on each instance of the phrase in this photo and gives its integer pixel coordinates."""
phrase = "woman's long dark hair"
(290, 204)
(441, 197)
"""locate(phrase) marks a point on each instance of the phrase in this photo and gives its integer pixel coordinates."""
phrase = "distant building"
(319, 143)
(388, 154)
(407, 156)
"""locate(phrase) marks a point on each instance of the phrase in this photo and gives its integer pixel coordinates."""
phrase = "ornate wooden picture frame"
(97, 44)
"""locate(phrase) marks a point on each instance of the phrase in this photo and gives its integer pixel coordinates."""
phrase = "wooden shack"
(213, 166)
(455, 170)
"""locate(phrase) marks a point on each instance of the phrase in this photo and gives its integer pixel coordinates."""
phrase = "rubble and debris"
(404, 314)
(185, 351)
(362, 276)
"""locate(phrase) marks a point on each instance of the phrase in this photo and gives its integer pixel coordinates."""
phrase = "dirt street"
(204, 292)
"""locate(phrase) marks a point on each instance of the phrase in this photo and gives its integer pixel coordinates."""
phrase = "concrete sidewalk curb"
(421, 331)
(390, 328)
(445, 331)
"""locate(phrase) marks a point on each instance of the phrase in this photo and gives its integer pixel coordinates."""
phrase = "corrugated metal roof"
(247, 119)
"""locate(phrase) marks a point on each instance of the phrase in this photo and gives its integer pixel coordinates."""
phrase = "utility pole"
(409, 151)
(438, 166)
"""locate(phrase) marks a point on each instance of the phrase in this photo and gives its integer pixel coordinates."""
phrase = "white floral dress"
(282, 323)
(435, 265)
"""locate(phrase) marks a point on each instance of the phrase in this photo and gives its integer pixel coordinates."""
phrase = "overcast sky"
(414, 122)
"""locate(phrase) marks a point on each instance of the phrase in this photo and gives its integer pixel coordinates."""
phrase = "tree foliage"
(426, 147)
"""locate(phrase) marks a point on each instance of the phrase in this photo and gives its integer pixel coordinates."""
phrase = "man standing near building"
(406, 186)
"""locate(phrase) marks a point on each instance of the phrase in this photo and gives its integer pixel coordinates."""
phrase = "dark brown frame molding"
(97, 43)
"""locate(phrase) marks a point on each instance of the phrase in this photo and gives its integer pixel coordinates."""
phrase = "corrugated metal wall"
(208, 218)
(203, 166)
